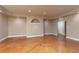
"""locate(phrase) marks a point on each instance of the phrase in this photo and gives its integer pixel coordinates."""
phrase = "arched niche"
(35, 20)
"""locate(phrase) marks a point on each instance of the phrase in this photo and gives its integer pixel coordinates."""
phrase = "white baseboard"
(11, 36)
(16, 36)
(28, 36)
(72, 38)
(3, 39)
(50, 34)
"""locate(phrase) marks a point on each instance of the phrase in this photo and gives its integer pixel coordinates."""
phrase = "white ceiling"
(38, 10)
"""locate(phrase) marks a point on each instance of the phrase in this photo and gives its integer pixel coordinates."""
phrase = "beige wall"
(51, 27)
(73, 26)
(34, 29)
(3, 26)
(48, 27)
(19, 26)
(55, 27)
(16, 26)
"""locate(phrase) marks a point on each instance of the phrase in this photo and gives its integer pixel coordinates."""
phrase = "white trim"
(72, 38)
(28, 36)
(50, 34)
(3, 39)
(17, 36)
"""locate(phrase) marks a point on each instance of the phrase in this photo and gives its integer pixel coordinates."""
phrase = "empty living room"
(39, 29)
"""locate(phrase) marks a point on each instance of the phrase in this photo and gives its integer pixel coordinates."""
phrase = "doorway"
(61, 34)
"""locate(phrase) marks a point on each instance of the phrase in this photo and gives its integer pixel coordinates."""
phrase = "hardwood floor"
(47, 44)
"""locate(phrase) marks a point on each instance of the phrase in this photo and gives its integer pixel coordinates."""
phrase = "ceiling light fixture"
(1, 11)
(44, 13)
(29, 11)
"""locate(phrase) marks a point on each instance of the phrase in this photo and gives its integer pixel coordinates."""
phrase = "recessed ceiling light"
(0, 10)
(29, 11)
(44, 13)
